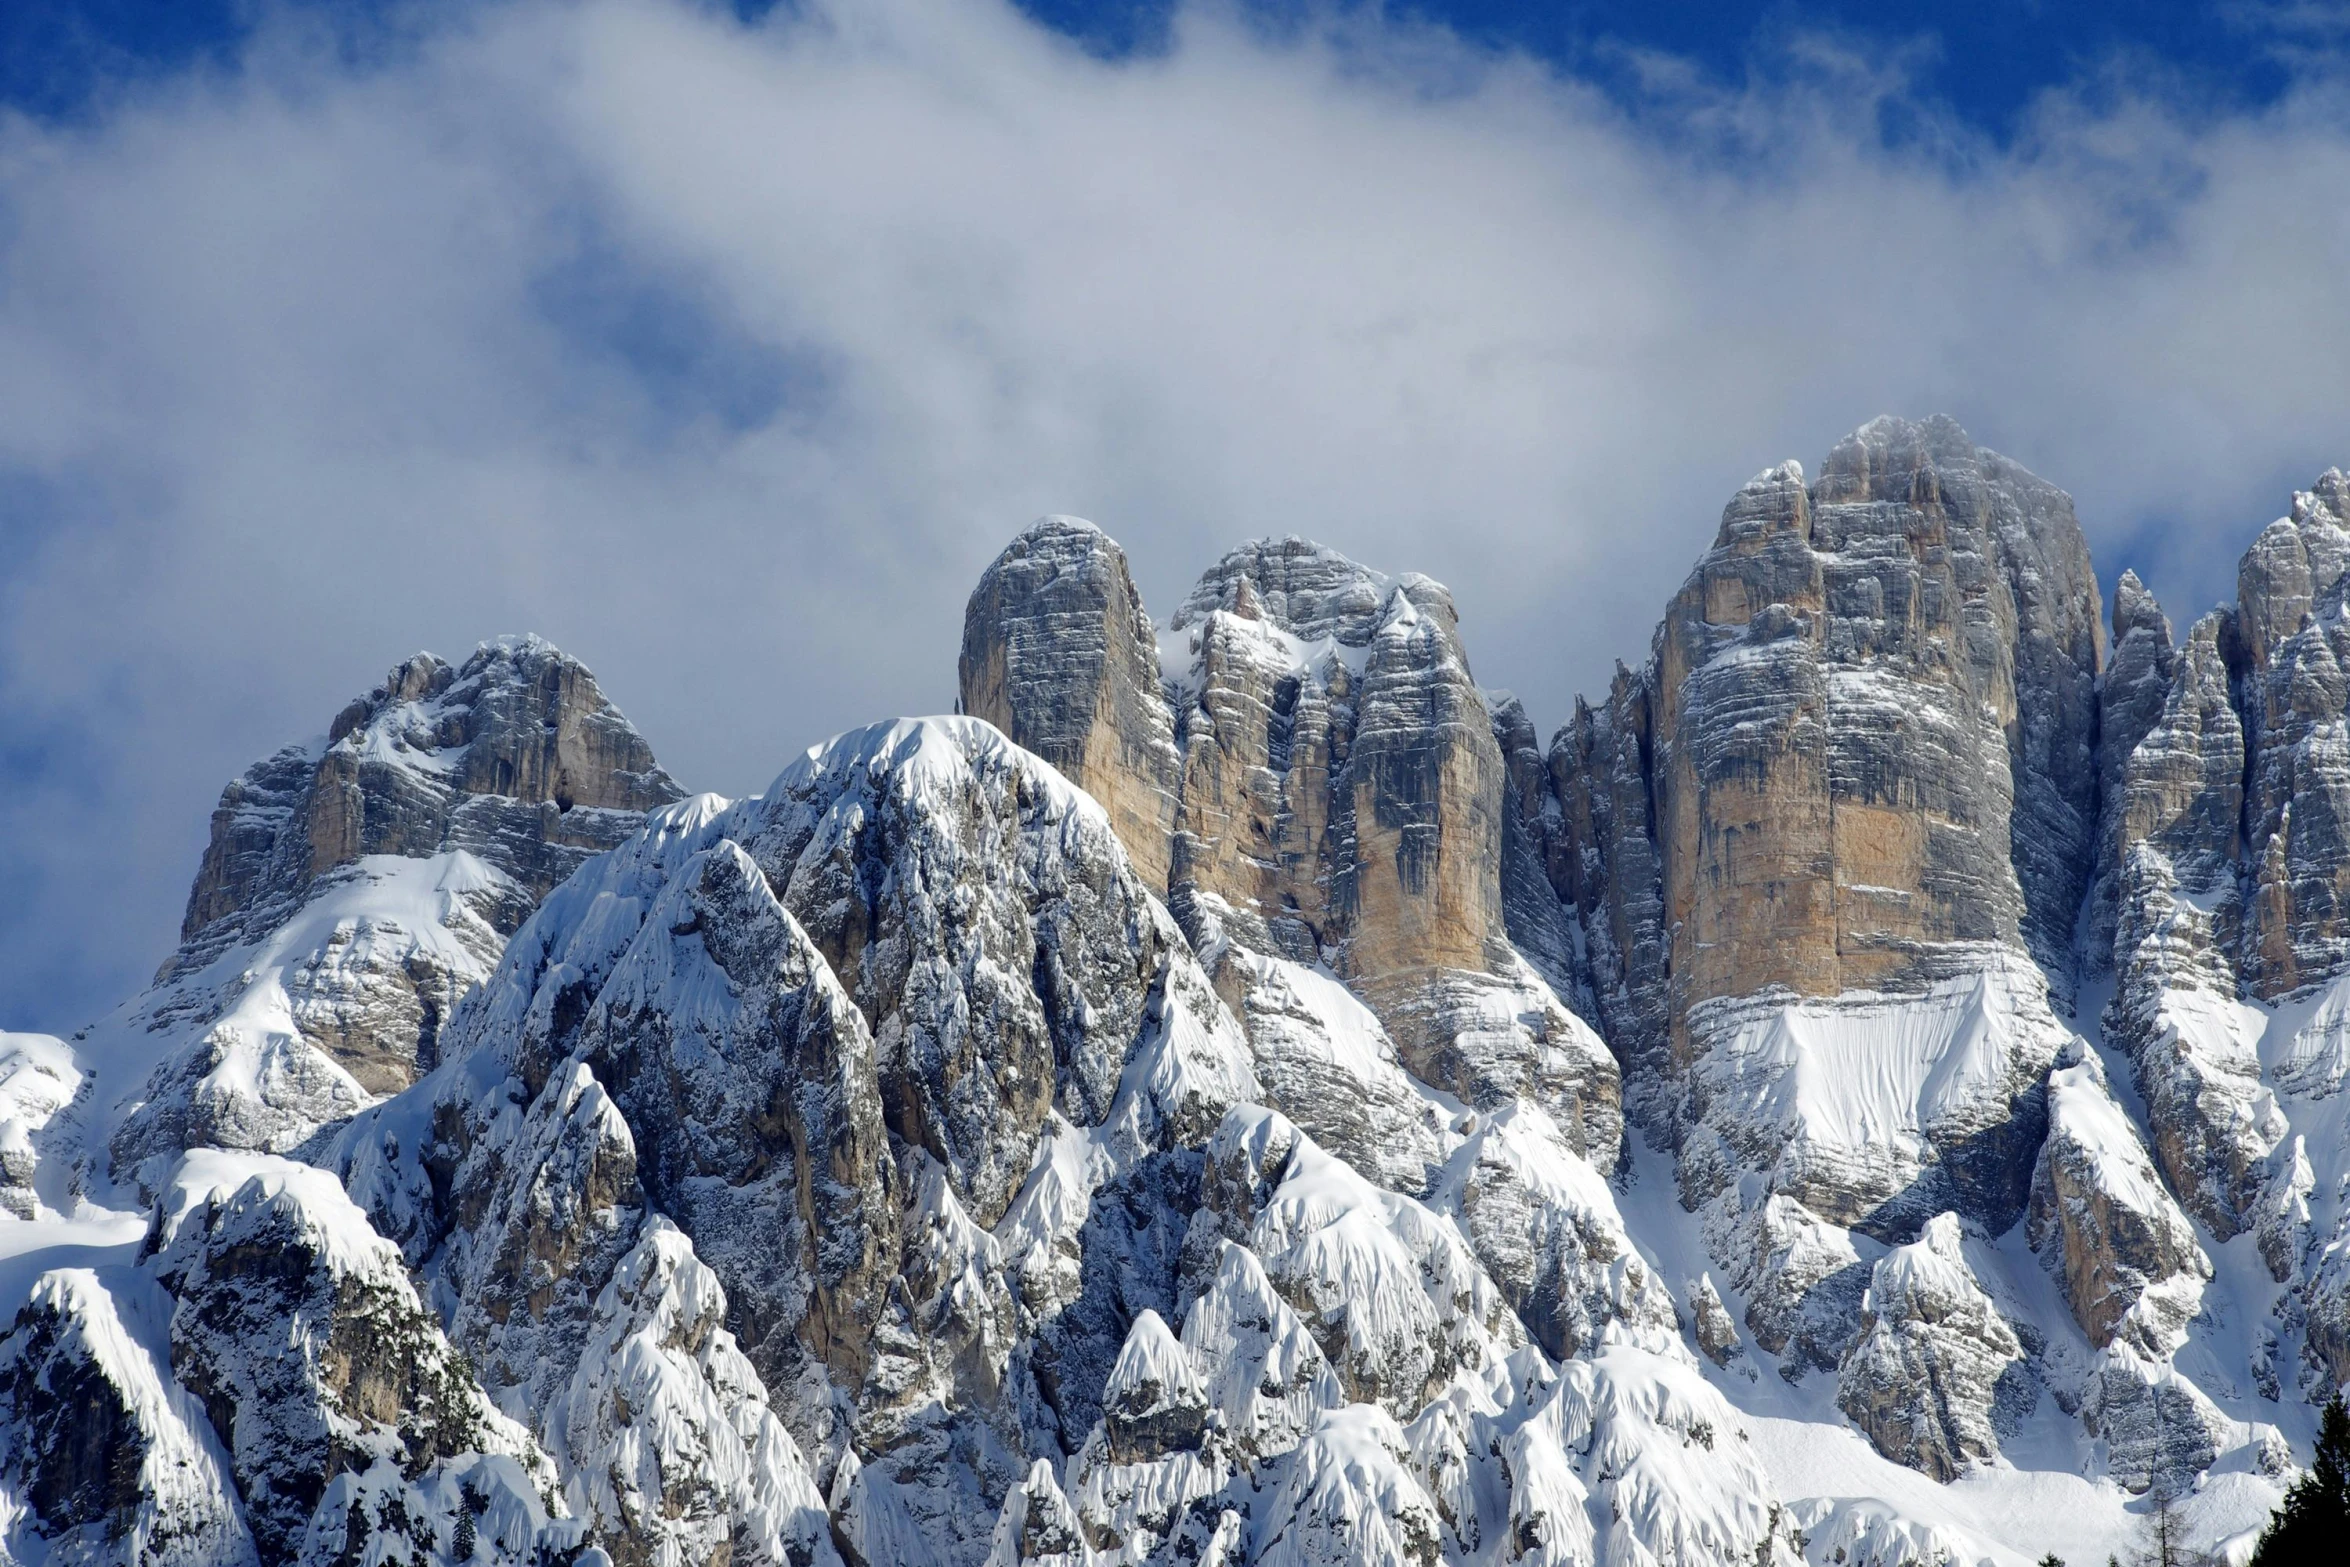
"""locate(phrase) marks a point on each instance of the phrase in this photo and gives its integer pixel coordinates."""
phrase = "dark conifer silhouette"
(2313, 1524)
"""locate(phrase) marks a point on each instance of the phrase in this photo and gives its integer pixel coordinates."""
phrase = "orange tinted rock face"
(1863, 743)
(1337, 796)
(1059, 654)
(1346, 804)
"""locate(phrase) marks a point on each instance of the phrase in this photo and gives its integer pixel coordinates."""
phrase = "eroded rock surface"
(2103, 1221)
(347, 1418)
(1059, 654)
(907, 1165)
(106, 1456)
(1934, 1360)
(352, 893)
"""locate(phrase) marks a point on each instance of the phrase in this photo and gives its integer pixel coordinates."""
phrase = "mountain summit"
(1867, 1091)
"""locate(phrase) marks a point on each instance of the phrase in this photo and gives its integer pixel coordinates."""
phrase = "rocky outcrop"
(1345, 803)
(2294, 637)
(2136, 691)
(1804, 1279)
(344, 1413)
(1545, 1226)
(2178, 831)
(1190, 1143)
(2230, 951)
(1395, 1299)
(1291, 1420)
(353, 893)
(2160, 1429)
(1869, 720)
(1037, 1527)
(1607, 861)
(874, 1042)
(103, 1456)
(664, 1434)
(1324, 1061)
(2103, 1222)
(2229, 858)
(1059, 654)
(759, 1116)
(498, 756)
(1935, 1361)
(38, 1078)
(1710, 1322)
(1867, 726)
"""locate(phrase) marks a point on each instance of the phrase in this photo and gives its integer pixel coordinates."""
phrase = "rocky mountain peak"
(1307, 589)
(492, 757)
(354, 889)
(1842, 684)
(1155, 1116)
(1060, 655)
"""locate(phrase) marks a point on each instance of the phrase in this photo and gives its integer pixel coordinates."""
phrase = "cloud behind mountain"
(724, 355)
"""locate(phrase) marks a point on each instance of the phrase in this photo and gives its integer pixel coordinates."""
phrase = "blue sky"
(1985, 61)
(724, 347)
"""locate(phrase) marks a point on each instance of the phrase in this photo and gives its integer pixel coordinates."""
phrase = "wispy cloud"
(725, 357)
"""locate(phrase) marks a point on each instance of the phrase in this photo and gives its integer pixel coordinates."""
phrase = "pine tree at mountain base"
(2313, 1523)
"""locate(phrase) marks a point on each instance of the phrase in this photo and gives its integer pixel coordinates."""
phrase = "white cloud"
(726, 358)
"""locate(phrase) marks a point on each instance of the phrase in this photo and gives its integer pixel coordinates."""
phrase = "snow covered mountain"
(1868, 1091)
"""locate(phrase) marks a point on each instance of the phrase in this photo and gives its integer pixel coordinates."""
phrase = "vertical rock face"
(1059, 654)
(1338, 800)
(1346, 802)
(1279, 636)
(1608, 862)
(2296, 638)
(762, 1116)
(1867, 727)
(1825, 848)
(2238, 788)
(1337, 709)
(1539, 920)
(2137, 690)
(1876, 702)
(514, 756)
(2125, 1255)
(2230, 865)
(351, 895)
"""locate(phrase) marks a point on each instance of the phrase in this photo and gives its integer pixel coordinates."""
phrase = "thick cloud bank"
(724, 356)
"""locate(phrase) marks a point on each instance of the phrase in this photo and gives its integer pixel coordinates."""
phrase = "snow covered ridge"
(1233, 1095)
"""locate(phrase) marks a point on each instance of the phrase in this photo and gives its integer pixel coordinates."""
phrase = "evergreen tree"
(2314, 1521)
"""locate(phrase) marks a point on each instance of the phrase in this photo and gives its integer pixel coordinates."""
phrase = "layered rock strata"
(352, 892)
(1059, 654)
(910, 1164)
(2229, 947)
(1341, 805)
(1867, 726)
